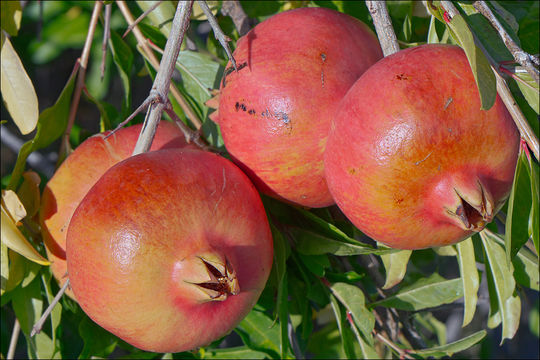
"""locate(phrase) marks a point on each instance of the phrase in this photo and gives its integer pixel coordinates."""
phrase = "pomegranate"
(78, 173)
(170, 249)
(411, 159)
(275, 111)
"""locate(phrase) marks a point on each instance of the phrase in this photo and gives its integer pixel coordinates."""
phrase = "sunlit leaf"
(353, 300)
(162, 16)
(29, 192)
(13, 206)
(345, 332)
(453, 347)
(17, 90)
(509, 304)
(433, 37)
(198, 14)
(5, 267)
(15, 240)
(424, 293)
(529, 89)
(469, 277)
(395, 265)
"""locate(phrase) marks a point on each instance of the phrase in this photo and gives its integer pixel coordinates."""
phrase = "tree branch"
(106, 36)
(143, 15)
(383, 26)
(234, 10)
(39, 324)
(151, 57)
(218, 33)
(524, 59)
(163, 78)
(13, 341)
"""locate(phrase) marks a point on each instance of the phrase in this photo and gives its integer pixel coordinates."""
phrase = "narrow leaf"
(4, 262)
(240, 352)
(353, 300)
(17, 90)
(425, 293)
(485, 79)
(504, 285)
(469, 278)
(453, 347)
(123, 58)
(346, 336)
(11, 13)
(432, 37)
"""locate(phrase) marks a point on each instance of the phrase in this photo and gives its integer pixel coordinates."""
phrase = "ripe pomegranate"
(275, 112)
(411, 159)
(170, 249)
(78, 173)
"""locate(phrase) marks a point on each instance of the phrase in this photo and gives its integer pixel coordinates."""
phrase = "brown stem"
(383, 26)
(64, 146)
(163, 77)
(143, 15)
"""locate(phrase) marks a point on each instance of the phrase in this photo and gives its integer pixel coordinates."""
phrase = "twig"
(141, 108)
(234, 10)
(106, 36)
(83, 60)
(148, 11)
(39, 324)
(163, 77)
(383, 26)
(523, 58)
(141, 40)
(504, 92)
(190, 135)
(218, 33)
(14, 338)
(402, 353)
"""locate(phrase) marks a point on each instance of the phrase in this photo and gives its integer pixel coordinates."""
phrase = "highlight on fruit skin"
(170, 249)
(275, 111)
(78, 173)
(411, 159)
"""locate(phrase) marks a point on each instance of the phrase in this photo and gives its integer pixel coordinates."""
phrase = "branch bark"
(383, 26)
(521, 57)
(163, 78)
(234, 10)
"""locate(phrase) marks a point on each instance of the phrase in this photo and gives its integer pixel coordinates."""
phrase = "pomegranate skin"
(275, 112)
(411, 159)
(137, 241)
(78, 173)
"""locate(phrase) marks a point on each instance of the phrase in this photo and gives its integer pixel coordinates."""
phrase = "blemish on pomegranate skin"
(351, 171)
(229, 70)
(448, 102)
(251, 112)
(402, 76)
(323, 57)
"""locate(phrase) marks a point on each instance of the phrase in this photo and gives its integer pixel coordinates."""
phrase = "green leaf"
(239, 352)
(344, 331)
(353, 300)
(526, 269)
(453, 347)
(469, 278)
(5, 267)
(395, 265)
(311, 243)
(17, 90)
(56, 313)
(509, 304)
(485, 79)
(123, 58)
(424, 293)
(51, 125)
(11, 14)
(258, 334)
(522, 208)
(529, 89)
(317, 264)
(97, 341)
(432, 37)
(162, 16)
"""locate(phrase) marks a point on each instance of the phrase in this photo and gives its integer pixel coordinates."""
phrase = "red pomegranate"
(411, 159)
(78, 173)
(275, 112)
(170, 249)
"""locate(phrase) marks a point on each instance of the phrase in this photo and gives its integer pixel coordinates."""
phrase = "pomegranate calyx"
(223, 281)
(473, 216)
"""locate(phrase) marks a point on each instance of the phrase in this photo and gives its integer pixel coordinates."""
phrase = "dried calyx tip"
(222, 283)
